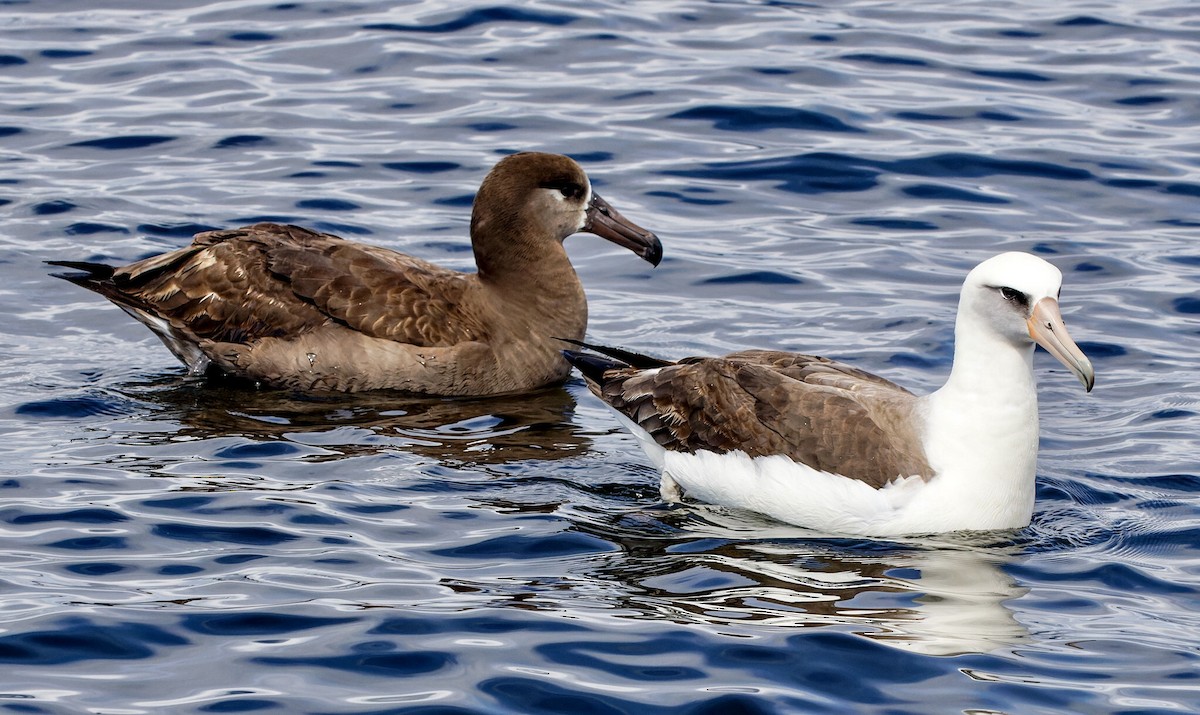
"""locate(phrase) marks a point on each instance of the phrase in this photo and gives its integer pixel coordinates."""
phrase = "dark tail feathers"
(627, 357)
(91, 272)
(592, 366)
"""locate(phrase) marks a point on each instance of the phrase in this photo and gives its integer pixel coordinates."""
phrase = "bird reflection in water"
(945, 596)
(489, 430)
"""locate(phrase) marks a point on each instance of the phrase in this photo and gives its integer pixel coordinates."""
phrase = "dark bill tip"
(1047, 329)
(606, 222)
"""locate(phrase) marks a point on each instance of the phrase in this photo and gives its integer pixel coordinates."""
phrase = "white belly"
(796, 494)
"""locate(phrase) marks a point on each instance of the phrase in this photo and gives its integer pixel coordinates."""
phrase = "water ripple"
(822, 176)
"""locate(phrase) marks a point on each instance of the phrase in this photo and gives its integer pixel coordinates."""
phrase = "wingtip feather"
(628, 358)
(592, 366)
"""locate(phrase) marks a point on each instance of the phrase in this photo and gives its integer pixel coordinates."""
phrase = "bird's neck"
(989, 366)
(981, 432)
(506, 252)
(538, 289)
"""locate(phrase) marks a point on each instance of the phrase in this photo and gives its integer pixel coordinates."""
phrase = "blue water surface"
(822, 174)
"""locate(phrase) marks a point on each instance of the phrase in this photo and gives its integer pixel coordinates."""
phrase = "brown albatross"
(288, 307)
(821, 444)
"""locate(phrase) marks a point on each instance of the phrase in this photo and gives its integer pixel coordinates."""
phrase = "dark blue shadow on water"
(1012, 75)
(49, 208)
(421, 167)
(122, 143)
(826, 666)
(327, 205)
(1187, 305)
(823, 172)
(258, 450)
(815, 173)
(896, 224)
(1119, 577)
(462, 201)
(90, 543)
(255, 623)
(86, 515)
(881, 59)
(246, 535)
(485, 127)
(482, 16)
(183, 503)
(252, 37)
(689, 198)
(567, 543)
(647, 659)
(592, 157)
(80, 639)
(752, 277)
(1143, 100)
(243, 141)
(762, 117)
(59, 54)
(1169, 415)
(85, 228)
(1087, 21)
(96, 569)
(1097, 350)
(74, 407)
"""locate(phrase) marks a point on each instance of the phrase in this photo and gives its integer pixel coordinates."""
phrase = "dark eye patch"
(569, 189)
(1015, 296)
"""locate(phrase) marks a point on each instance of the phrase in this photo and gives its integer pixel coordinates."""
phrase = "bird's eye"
(568, 189)
(1013, 296)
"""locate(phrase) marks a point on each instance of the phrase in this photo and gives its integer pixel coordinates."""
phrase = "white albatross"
(820, 444)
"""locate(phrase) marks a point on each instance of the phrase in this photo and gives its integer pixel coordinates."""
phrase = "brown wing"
(271, 280)
(817, 370)
(826, 415)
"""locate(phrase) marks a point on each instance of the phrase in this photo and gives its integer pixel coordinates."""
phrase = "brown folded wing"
(271, 280)
(818, 412)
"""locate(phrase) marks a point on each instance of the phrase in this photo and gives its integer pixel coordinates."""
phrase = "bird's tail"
(592, 366)
(88, 274)
(627, 358)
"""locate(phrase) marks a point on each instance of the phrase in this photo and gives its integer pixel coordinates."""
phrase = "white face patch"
(568, 206)
(587, 201)
(580, 208)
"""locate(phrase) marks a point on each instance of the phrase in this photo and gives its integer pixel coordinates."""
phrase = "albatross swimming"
(820, 444)
(288, 307)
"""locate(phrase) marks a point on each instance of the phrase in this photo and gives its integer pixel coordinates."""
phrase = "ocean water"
(822, 175)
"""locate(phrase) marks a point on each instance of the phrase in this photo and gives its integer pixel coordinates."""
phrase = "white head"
(1015, 295)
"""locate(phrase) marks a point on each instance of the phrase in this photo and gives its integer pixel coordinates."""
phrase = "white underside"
(797, 494)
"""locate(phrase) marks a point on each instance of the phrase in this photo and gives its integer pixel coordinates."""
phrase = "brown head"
(530, 202)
